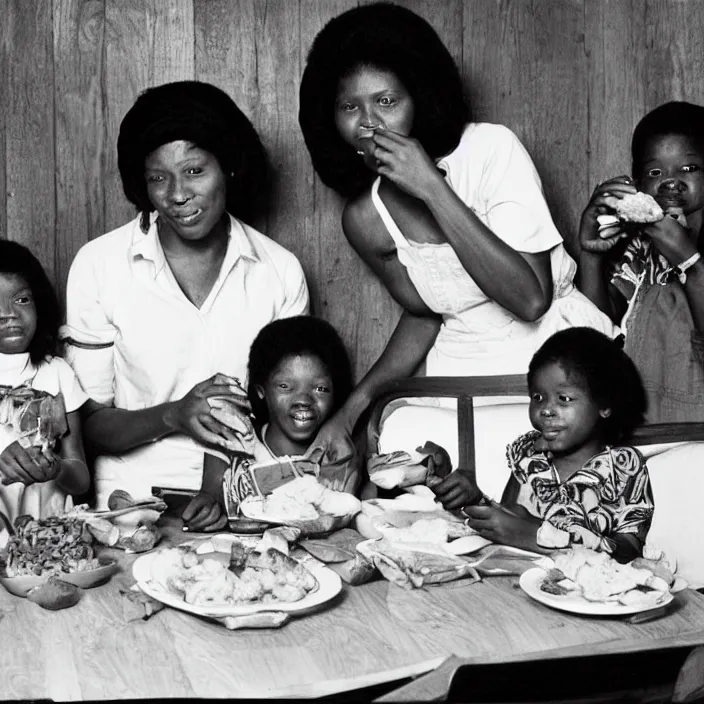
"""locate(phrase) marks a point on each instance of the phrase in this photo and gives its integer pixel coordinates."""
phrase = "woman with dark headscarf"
(160, 306)
(447, 212)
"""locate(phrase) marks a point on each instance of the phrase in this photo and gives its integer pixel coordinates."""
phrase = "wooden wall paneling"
(238, 48)
(345, 291)
(29, 130)
(250, 49)
(79, 33)
(616, 69)
(148, 42)
(6, 47)
(525, 66)
(674, 51)
(226, 55)
(276, 76)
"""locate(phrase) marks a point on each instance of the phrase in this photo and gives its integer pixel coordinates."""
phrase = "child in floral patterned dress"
(572, 480)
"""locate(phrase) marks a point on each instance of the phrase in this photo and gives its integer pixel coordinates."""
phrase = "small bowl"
(20, 586)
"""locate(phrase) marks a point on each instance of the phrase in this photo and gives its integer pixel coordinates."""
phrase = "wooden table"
(372, 633)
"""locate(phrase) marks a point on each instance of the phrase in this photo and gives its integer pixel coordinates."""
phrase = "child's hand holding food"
(671, 239)
(604, 201)
(27, 465)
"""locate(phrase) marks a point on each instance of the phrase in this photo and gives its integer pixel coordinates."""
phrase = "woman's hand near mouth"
(406, 164)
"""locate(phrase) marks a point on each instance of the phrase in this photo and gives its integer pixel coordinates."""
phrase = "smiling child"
(572, 481)
(299, 375)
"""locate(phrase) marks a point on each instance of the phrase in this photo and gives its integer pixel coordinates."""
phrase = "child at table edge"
(299, 375)
(35, 481)
(571, 481)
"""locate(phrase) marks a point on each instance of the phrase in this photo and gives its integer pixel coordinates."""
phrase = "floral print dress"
(610, 494)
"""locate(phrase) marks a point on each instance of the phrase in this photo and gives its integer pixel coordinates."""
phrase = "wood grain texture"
(674, 45)
(148, 42)
(571, 78)
(5, 58)
(525, 67)
(367, 634)
(79, 34)
(345, 291)
(29, 130)
(616, 62)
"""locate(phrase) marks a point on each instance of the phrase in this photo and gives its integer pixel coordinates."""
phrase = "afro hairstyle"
(17, 259)
(606, 371)
(289, 337)
(677, 117)
(388, 37)
(207, 117)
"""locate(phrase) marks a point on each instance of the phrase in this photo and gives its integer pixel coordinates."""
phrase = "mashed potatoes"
(302, 499)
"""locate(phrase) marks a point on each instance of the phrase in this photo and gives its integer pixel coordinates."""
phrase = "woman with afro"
(161, 312)
(449, 213)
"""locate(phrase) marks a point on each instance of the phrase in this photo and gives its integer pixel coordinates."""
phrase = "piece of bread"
(55, 594)
(638, 207)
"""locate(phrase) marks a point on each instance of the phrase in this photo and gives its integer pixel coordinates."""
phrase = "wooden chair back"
(466, 389)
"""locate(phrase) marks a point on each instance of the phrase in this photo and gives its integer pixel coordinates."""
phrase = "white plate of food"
(585, 582)
(204, 584)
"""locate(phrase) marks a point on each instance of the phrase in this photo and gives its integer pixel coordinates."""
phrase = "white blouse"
(135, 340)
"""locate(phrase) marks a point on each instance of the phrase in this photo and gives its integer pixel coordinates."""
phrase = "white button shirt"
(135, 340)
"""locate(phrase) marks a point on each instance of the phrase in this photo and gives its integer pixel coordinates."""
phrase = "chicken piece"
(267, 578)
(599, 583)
(286, 568)
(190, 557)
(201, 572)
(248, 586)
(167, 568)
(636, 597)
(288, 592)
(658, 567)
(273, 538)
(238, 557)
(215, 590)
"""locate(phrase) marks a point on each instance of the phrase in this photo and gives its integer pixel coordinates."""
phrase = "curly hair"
(299, 335)
(17, 259)
(207, 117)
(676, 117)
(608, 373)
(388, 37)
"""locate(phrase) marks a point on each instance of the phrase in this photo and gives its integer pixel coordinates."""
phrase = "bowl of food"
(128, 524)
(303, 503)
(58, 546)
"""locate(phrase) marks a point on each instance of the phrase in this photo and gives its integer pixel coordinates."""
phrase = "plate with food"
(413, 518)
(587, 582)
(303, 503)
(58, 546)
(227, 575)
